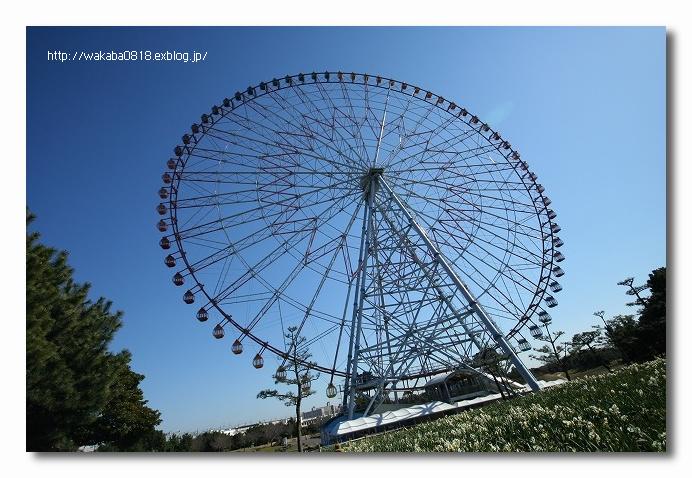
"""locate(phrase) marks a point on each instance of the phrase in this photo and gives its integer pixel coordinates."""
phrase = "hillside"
(622, 411)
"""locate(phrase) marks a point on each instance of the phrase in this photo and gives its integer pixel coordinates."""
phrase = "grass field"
(310, 443)
(622, 411)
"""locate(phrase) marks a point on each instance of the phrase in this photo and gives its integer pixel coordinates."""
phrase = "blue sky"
(584, 106)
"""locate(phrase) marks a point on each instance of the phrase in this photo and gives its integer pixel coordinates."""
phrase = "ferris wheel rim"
(291, 81)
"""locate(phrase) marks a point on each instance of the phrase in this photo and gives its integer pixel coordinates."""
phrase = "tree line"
(624, 338)
(217, 441)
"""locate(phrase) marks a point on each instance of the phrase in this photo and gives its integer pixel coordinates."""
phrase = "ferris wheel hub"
(366, 179)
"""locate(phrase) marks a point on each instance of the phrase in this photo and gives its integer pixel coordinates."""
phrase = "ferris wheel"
(398, 232)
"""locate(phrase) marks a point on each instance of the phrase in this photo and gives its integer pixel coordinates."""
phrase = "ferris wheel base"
(339, 429)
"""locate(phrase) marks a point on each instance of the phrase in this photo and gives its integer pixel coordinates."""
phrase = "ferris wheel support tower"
(374, 182)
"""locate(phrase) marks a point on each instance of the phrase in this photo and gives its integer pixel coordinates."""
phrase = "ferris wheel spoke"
(490, 284)
(518, 225)
(428, 109)
(305, 149)
(364, 159)
(251, 240)
(324, 122)
(423, 145)
(368, 113)
(256, 269)
(356, 126)
(248, 212)
(319, 287)
(475, 245)
(415, 152)
(290, 130)
(403, 139)
(443, 186)
(333, 108)
(505, 225)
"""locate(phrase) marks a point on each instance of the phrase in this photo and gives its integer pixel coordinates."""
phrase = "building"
(463, 384)
(318, 413)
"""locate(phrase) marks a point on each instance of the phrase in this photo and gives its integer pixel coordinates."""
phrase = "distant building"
(315, 414)
(318, 413)
(244, 428)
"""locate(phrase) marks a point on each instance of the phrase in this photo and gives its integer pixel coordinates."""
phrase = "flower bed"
(623, 411)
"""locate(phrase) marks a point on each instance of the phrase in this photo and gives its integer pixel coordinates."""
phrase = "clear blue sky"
(584, 106)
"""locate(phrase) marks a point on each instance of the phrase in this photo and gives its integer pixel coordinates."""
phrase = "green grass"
(622, 411)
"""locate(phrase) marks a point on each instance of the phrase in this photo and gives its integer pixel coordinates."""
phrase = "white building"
(317, 413)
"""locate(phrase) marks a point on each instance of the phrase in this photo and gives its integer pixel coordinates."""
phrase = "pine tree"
(652, 322)
(71, 377)
(126, 423)
(296, 373)
(588, 339)
(555, 354)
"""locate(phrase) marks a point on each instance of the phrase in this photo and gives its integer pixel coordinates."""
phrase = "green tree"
(126, 422)
(71, 377)
(295, 373)
(589, 339)
(651, 336)
(182, 442)
(621, 332)
(644, 338)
